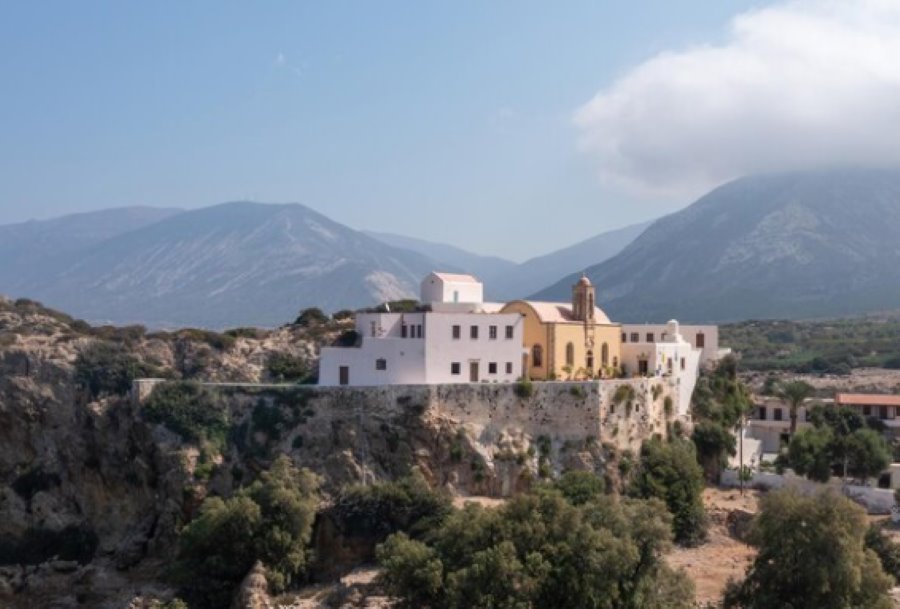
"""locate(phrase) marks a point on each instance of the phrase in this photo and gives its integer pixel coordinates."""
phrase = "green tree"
(810, 453)
(271, 520)
(838, 441)
(794, 394)
(540, 550)
(580, 487)
(714, 444)
(669, 471)
(811, 554)
(888, 551)
(105, 368)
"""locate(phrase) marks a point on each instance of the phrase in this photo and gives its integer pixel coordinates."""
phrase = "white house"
(454, 338)
(705, 338)
(664, 353)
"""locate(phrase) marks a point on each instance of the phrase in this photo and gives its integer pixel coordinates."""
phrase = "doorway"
(473, 372)
(344, 375)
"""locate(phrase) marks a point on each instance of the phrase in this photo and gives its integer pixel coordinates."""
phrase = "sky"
(506, 127)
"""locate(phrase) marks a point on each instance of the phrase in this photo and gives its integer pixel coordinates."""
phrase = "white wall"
(442, 349)
(437, 289)
(658, 356)
(426, 360)
(710, 351)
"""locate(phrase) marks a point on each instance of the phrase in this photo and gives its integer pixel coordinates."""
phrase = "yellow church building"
(568, 340)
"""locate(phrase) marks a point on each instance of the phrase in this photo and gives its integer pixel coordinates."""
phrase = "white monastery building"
(454, 338)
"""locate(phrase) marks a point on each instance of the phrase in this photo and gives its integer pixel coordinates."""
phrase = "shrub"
(539, 550)
(811, 554)
(313, 316)
(104, 368)
(343, 314)
(408, 504)
(287, 367)
(669, 471)
(524, 388)
(888, 551)
(580, 487)
(190, 410)
(623, 393)
(271, 521)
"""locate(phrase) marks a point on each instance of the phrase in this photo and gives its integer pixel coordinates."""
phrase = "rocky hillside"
(796, 245)
(93, 491)
(236, 264)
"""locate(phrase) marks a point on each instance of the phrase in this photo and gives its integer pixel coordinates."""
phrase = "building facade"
(705, 338)
(456, 339)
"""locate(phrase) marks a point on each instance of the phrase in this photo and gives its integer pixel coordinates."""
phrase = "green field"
(830, 346)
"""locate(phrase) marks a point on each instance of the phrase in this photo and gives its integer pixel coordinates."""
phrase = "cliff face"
(92, 495)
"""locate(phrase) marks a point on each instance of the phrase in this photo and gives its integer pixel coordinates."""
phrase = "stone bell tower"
(583, 300)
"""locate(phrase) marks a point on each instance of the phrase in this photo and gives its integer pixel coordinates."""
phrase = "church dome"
(584, 281)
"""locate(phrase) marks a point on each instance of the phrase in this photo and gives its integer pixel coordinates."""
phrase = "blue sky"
(450, 121)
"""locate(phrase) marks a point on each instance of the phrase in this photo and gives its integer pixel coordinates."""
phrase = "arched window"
(570, 354)
(589, 359)
(604, 355)
(537, 356)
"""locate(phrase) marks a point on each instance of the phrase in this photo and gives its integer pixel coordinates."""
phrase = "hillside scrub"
(105, 368)
(193, 412)
(270, 521)
(540, 550)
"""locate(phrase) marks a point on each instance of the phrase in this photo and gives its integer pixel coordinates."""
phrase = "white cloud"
(797, 85)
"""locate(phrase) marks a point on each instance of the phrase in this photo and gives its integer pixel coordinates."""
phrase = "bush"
(669, 471)
(271, 521)
(190, 410)
(312, 316)
(888, 551)
(811, 554)
(104, 368)
(408, 504)
(524, 388)
(539, 550)
(580, 487)
(287, 367)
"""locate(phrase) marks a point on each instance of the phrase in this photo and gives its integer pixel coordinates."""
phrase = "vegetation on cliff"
(540, 550)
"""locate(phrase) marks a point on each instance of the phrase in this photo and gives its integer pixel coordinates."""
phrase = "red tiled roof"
(866, 399)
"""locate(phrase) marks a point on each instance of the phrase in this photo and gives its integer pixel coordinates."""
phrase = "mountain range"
(795, 245)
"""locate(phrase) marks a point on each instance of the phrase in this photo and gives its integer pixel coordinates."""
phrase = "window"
(650, 337)
(492, 367)
(570, 354)
(455, 295)
(381, 364)
(492, 332)
(419, 331)
(509, 368)
(683, 364)
(669, 364)
(372, 328)
(643, 366)
(777, 413)
(882, 412)
(762, 413)
(455, 368)
(509, 332)
(624, 337)
(604, 355)
(589, 362)
(635, 337)
(403, 331)
(537, 356)
(701, 340)
(473, 332)
(344, 375)
(867, 411)
(456, 332)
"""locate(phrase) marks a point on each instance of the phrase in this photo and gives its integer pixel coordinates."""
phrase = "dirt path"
(711, 565)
